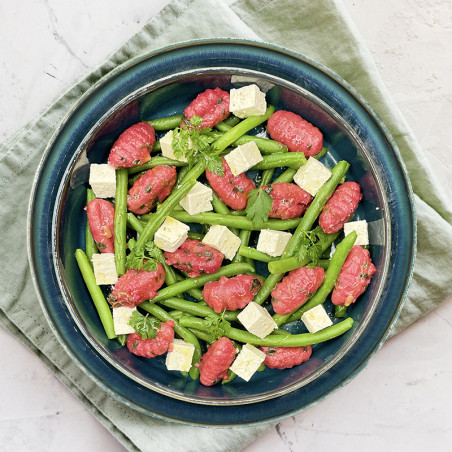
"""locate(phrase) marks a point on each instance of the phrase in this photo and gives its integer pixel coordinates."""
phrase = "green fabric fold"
(320, 30)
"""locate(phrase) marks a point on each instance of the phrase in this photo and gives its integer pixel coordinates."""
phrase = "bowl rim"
(133, 61)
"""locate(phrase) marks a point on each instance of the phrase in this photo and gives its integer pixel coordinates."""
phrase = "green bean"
(184, 286)
(157, 160)
(266, 177)
(340, 311)
(102, 307)
(164, 209)
(168, 123)
(220, 207)
(157, 146)
(201, 335)
(234, 221)
(240, 129)
(253, 253)
(122, 339)
(195, 235)
(182, 173)
(311, 214)
(276, 340)
(244, 235)
(321, 153)
(337, 260)
(197, 309)
(120, 221)
(286, 176)
(228, 123)
(90, 243)
(300, 260)
(265, 145)
(184, 333)
(290, 159)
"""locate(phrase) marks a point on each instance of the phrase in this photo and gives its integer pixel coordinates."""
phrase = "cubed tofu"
(121, 317)
(257, 320)
(171, 234)
(360, 226)
(272, 242)
(167, 147)
(311, 176)
(316, 319)
(222, 239)
(102, 179)
(198, 199)
(247, 101)
(248, 361)
(105, 268)
(180, 355)
(243, 157)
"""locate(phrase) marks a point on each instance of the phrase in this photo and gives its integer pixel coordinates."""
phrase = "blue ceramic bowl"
(163, 83)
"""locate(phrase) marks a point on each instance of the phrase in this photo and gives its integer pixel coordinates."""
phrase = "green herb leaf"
(216, 326)
(145, 326)
(193, 141)
(310, 245)
(144, 259)
(259, 206)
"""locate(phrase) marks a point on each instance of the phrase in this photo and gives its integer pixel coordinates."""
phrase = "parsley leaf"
(310, 245)
(144, 259)
(259, 206)
(216, 326)
(145, 326)
(193, 141)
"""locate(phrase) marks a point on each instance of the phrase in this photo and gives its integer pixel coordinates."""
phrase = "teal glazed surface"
(161, 84)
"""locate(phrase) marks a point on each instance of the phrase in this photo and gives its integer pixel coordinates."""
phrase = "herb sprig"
(193, 141)
(144, 259)
(144, 325)
(259, 205)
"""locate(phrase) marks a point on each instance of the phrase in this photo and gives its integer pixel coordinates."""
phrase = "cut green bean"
(340, 311)
(184, 286)
(167, 123)
(220, 207)
(201, 335)
(240, 129)
(122, 339)
(337, 260)
(266, 177)
(120, 221)
(195, 235)
(276, 340)
(157, 160)
(290, 159)
(181, 174)
(227, 123)
(184, 333)
(286, 176)
(102, 307)
(253, 253)
(321, 153)
(90, 243)
(197, 309)
(299, 260)
(239, 222)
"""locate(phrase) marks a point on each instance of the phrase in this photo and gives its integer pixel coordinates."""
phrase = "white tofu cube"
(171, 234)
(104, 268)
(247, 101)
(167, 147)
(257, 320)
(180, 355)
(311, 176)
(198, 199)
(248, 361)
(272, 242)
(360, 226)
(316, 319)
(121, 317)
(243, 157)
(102, 179)
(222, 239)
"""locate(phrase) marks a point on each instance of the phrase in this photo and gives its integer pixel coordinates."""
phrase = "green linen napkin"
(340, 49)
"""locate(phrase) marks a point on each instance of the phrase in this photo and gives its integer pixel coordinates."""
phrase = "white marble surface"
(402, 400)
